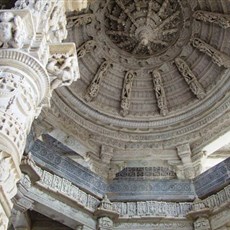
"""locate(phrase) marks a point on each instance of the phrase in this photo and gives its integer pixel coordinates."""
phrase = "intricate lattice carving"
(93, 89)
(190, 78)
(79, 20)
(160, 92)
(126, 92)
(143, 28)
(222, 20)
(86, 48)
(218, 57)
(12, 31)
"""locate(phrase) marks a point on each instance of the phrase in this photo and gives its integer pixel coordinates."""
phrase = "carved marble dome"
(154, 74)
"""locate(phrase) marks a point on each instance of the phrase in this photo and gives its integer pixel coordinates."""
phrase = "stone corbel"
(106, 214)
(63, 65)
(184, 152)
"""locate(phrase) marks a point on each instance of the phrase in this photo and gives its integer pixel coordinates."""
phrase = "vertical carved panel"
(218, 57)
(94, 87)
(190, 78)
(160, 93)
(86, 48)
(222, 20)
(126, 92)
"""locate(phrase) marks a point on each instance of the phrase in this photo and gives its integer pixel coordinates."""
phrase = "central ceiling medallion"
(143, 28)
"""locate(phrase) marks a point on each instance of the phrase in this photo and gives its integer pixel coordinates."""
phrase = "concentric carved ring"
(143, 28)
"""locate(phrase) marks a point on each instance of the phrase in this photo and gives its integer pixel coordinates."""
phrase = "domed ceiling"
(153, 74)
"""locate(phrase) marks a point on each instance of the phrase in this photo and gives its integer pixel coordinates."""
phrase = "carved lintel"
(87, 47)
(190, 78)
(76, 21)
(160, 92)
(126, 92)
(94, 87)
(223, 20)
(63, 65)
(218, 57)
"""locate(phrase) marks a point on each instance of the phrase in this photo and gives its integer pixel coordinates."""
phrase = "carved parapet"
(16, 28)
(160, 92)
(218, 57)
(94, 87)
(223, 20)
(126, 92)
(63, 65)
(190, 78)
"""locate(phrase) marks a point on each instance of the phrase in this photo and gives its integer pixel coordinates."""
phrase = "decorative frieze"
(94, 87)
(218, 57)
(190, 78)
(126, 92)
(223, 20)
(160, 92)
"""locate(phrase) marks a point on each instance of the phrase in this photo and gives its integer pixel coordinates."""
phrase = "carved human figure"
(12, 31)
(126, 92)
(57, 25)
(105, 223)
(160, 93)
(63, 68)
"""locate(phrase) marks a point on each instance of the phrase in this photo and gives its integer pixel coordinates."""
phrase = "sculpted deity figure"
(63, 68)
(126, 92)
(12, 31)
(160, 93)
